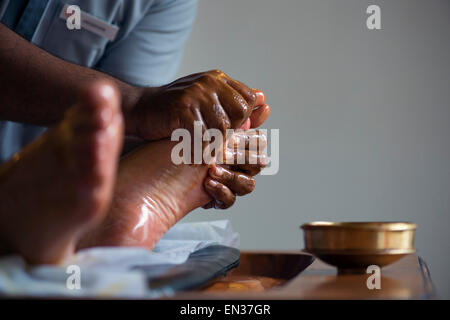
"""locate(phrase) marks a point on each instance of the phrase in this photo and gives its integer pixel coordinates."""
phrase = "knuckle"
(241, 110)
(196, 86)
(185, 100)
(208, 78)
(216, 72)
(231, 177)
(245, 109)
(220, 120)
(226, 179)
(252, 98)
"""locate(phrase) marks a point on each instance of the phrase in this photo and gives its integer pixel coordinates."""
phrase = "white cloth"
(107, 271)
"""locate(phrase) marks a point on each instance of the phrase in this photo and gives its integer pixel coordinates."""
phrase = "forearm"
(38, 87)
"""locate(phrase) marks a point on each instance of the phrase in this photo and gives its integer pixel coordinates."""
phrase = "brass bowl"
(353, 246)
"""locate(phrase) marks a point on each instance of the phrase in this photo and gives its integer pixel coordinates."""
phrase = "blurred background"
(364, 115)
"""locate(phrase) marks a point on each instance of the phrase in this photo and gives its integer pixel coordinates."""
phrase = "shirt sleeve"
(152, 51)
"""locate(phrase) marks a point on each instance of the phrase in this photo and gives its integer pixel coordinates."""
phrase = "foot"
(60, 186)
(152, 194)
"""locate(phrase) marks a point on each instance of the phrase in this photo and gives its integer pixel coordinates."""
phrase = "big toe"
(96, 127)
(99, 107)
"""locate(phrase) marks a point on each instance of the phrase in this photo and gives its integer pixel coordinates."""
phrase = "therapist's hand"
(226, 181)
(211, 97)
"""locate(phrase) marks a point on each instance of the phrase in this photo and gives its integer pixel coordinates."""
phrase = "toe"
(98, 107)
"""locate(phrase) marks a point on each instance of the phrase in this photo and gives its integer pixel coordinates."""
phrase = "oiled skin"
(152, 194)
(43, 215)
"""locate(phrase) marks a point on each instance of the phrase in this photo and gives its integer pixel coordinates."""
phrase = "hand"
(226, 181)
(224, 185)
(211, 97)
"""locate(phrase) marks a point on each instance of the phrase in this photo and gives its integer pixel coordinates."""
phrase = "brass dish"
(353, 246)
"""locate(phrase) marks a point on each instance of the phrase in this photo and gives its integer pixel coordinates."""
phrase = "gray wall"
(364, 116)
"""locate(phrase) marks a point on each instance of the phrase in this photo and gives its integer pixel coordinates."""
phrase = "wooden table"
(294, 275)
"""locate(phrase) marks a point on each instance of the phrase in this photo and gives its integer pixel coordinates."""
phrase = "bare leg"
(61, 184)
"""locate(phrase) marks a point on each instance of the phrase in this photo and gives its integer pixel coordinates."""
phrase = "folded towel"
(105, 272)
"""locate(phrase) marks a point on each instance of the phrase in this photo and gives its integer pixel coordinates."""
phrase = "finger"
(222, 195)
(260, 98)
(234, 161)
(259, 116)
(247, 93)
(239, 183)
(247, 124)
(248, 169)
(194, 123)
(255, 140)
(235, 106)
(209, 205)
(215, 116)
(245, 157)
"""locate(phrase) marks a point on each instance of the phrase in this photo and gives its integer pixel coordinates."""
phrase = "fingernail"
(212, 183)
(260, 97)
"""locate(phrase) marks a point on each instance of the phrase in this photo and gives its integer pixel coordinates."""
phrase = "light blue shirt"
(146, 52)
